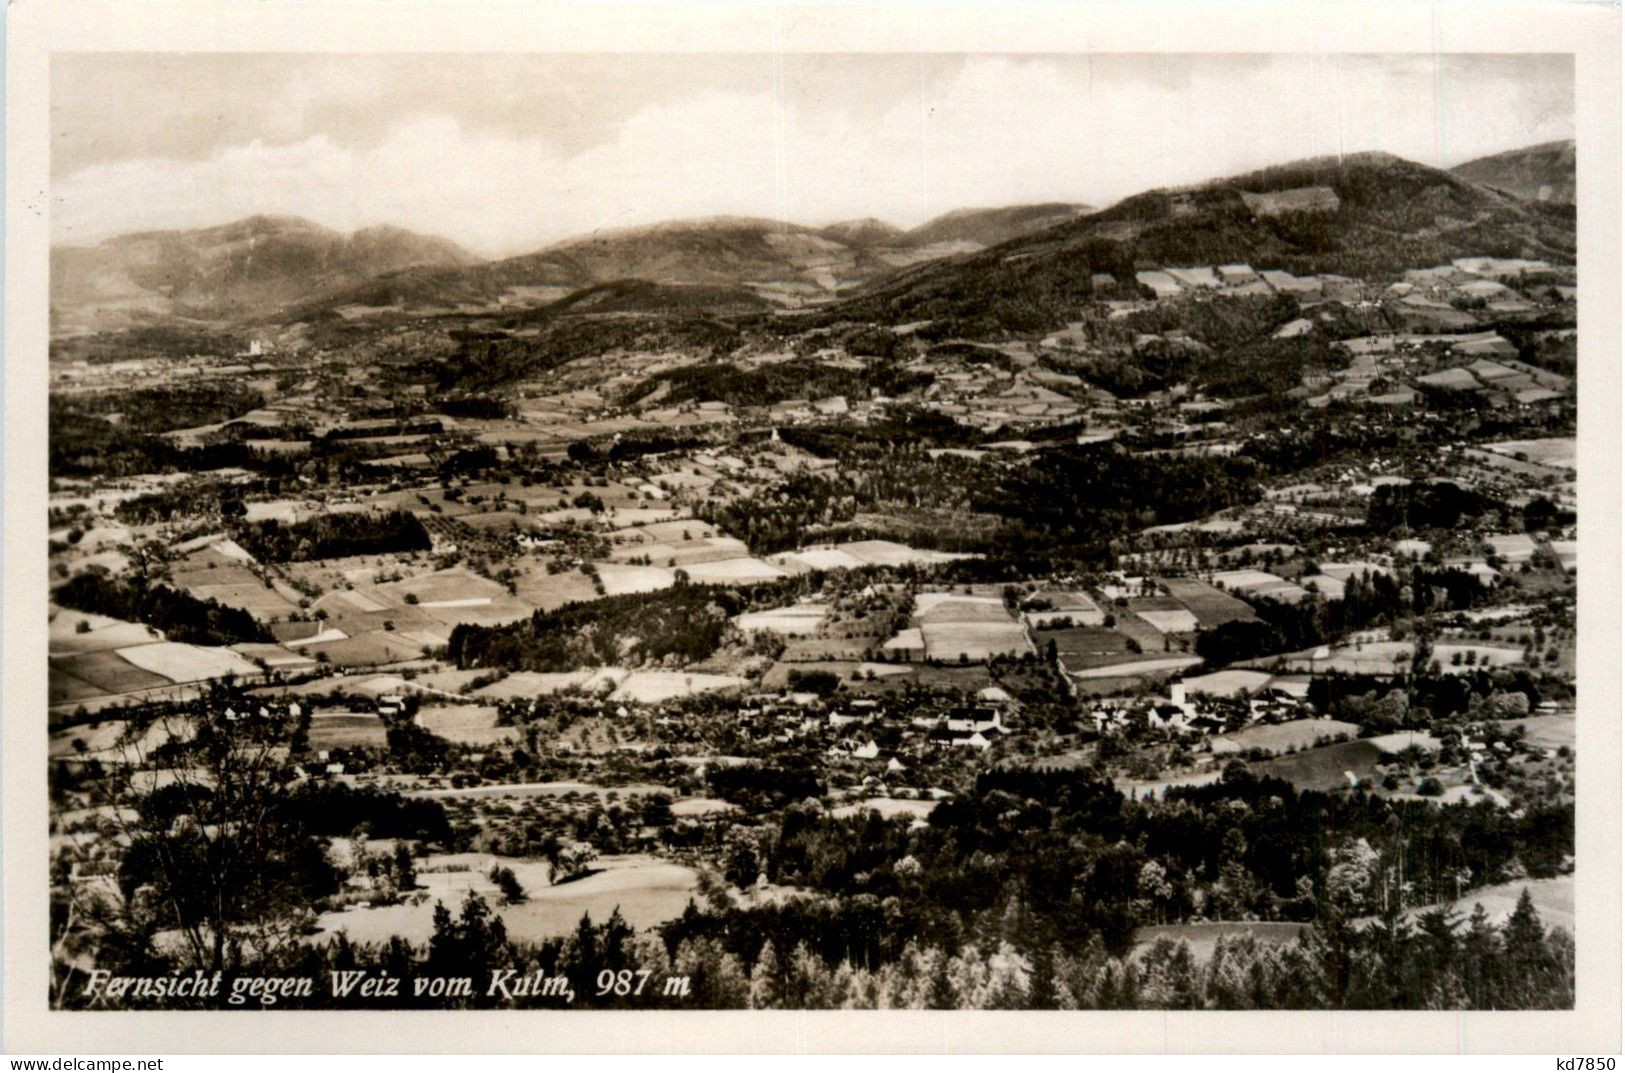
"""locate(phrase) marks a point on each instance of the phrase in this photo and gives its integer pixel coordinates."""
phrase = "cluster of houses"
(1198, 711)
(851, 724)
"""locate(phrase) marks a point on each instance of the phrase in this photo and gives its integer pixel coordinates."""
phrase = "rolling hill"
(976, 271)
(283, 269)
(782, 264)
(1539, 172)
(1369, 215)
(989, 227)
(247, 268)
(865, 232)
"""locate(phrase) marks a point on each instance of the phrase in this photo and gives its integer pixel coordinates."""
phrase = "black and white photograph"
(884, 530)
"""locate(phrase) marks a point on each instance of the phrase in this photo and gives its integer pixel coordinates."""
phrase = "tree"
(218, 850)
(406, 873)
(567, 862)
(471, 945)
(508, 884)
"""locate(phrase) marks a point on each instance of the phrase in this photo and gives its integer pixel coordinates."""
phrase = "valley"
(1092, 585)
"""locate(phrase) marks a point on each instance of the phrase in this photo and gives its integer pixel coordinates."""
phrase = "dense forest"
(1024, 893)
(680, 626)
(798, 378)
(1080, 497)
(1437, 961)
(178, 615)
(332, 536)
(484, 361)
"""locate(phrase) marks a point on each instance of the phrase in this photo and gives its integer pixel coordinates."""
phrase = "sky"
(506, 153)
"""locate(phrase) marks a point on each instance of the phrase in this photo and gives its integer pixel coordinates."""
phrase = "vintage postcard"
(800, 523)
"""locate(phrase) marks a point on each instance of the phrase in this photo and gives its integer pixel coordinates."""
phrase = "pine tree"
(1481, 950)
(1525, 957)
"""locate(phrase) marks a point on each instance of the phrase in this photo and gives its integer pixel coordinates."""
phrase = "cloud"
(988, 130)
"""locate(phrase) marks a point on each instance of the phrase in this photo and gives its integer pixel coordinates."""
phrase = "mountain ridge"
(1544, 172)
(1361, 214)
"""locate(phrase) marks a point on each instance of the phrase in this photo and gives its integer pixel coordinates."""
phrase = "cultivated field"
(653, 687)
(263, 603)
(888, 807)
(732, 571)
(646, 890)
(107, 672)
(620, 579)
(797, 620)
(1285, 737)
(187, 663)
(103, 633)
(1325, 768)
(1545, 731)
(1136, 668)
(1401, 740)
(1559, 452)
(347, 730)
(533, 684)
(1227, 683)
(465, 724)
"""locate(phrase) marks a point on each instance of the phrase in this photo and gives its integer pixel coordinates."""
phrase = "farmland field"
(944, 607)
(1075, 606)
(973, 641)
(533, 684)
(806, 559)
(620, 579)
(199, 577)
(700, 806)
(797, 620)
(187, 662)
(253, 597)
(447, 588)
(888, 807)
(652, 687)
(735, 570)
(108, 672)
(549, 591)
(465, 724)
(1545, 731)
(1377, 657)
(888, 553)
(1227, 683)
(1298, 734)
(1324, 768)
(1173, 621)
(347, 730)
(64, 688)
(100, 638)
(1399, 741)
(1558, 452)
(274, 656)
(1081, 647)
(367, 649)
(1135, 668)
(646, 890)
